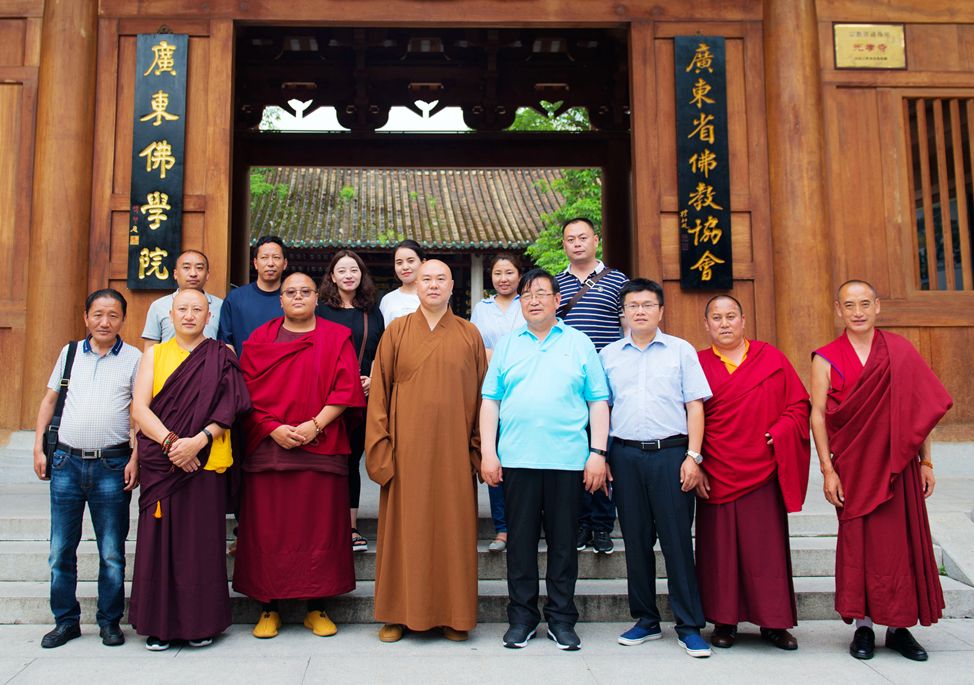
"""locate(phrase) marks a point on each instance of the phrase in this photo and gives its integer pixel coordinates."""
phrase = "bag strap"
(62, 391)
(589, 284)
(365, 335)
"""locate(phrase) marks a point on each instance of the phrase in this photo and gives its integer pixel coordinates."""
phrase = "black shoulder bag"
(50, 435)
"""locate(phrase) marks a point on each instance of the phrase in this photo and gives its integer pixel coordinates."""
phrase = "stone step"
(597, 600)
(27, 560)
(38, 526)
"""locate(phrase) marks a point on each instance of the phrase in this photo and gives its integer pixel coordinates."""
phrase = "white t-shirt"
(397, 303)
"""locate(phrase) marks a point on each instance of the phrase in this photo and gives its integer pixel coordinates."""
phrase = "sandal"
(498, 545)
(359, 543)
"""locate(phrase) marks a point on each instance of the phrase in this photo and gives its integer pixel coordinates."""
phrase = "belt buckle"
(651, 445)
(91, 454)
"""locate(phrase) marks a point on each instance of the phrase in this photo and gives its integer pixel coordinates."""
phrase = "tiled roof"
(467, 209)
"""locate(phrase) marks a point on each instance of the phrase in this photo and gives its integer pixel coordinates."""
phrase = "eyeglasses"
(644, 306)
(531, 297)
(292, 293)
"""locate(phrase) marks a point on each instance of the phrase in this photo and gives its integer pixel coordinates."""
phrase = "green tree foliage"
(259, 186)
(581, 189)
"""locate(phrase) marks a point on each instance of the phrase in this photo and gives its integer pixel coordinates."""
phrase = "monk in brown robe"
(874, 403)
(756, 457)
(302, 374)
(423, 448)
(188, 392)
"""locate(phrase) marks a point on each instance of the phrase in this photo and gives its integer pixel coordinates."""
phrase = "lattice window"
(942, 171)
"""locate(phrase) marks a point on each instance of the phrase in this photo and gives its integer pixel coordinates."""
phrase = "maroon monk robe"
(877, 417)
(743, 558)
(294, 533)
(179, 589)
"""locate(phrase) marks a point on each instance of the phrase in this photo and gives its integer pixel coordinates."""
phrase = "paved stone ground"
(356, 656)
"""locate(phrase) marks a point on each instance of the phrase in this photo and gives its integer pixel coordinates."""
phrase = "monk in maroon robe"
(874, 403)
(302, 373)
(187, 393)
(756, 455)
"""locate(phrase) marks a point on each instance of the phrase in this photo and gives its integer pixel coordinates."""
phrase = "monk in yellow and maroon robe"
(743, 558)
(423, 448)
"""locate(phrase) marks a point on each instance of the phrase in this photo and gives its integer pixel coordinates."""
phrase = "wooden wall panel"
(19, 58)
(207, 178)
(13, 36)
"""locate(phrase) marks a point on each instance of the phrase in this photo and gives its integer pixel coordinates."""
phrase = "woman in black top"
(347, 297)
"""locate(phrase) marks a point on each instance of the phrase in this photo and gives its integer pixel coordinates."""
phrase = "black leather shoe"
(900, 640)
(111, 635)
(723, 635)
(564, 636)
(517, 635)
(863, 643)
(780, 638)
(60, 635)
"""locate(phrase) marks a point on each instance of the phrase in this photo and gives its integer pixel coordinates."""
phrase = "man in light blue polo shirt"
(192, 271)
(658, 390)
(543, 386)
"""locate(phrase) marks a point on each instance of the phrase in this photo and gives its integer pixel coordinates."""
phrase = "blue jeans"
(497, 507)
(100, 483)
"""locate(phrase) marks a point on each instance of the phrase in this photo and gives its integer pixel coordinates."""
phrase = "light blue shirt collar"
(660, 338)
(559, 326)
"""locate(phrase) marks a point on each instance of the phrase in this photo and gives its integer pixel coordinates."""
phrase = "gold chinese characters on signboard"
(869, 46)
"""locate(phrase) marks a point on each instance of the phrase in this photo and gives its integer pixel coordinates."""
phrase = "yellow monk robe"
(423, 447)
(167, 358)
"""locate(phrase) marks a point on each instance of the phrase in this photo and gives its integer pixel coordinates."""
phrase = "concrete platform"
(356, 656)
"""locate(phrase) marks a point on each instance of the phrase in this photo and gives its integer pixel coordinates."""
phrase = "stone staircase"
(600, 593)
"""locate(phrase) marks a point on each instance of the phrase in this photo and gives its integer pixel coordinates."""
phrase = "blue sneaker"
(639, 634)
(695, 645)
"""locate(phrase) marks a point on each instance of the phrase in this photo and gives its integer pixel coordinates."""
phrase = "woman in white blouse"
(407, 257)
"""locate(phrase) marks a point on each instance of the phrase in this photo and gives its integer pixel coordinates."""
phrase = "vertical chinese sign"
(158, 143)
(703, 163)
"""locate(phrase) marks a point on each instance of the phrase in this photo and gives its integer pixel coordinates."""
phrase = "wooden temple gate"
(822, 174)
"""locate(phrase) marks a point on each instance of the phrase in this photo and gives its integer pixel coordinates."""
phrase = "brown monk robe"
(423, 448)
(874, 403)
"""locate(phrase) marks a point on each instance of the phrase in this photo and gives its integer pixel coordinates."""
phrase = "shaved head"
(717, 298)
(855, 281)
(435, 266)
(434, 285)
(297, 279)
(190, 296)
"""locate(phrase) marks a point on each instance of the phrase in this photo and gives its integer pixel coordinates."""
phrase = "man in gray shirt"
(93, 463)
(192, 271)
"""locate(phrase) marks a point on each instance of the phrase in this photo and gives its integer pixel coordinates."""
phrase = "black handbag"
(50, 435)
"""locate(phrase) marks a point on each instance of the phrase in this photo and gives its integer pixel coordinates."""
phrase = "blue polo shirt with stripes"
(597, 314)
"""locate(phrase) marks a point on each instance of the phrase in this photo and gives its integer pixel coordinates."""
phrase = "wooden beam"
(58, 262)
(799, 215)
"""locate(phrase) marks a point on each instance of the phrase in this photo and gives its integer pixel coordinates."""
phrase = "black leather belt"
(122, 449)
(655, 445)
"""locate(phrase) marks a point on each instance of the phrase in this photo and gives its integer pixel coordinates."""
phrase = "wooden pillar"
(799, 212)
(61, 211)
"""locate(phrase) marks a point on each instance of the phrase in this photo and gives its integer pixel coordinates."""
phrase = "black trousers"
(651, 505)
(536, 499)
(356, 441)
(598, 511)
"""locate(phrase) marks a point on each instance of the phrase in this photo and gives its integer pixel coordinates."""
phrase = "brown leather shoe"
(723, 635)
(455, 635)
(391, 632)
(780, 638)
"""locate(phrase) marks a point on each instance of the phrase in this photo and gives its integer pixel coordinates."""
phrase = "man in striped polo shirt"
(597, 313)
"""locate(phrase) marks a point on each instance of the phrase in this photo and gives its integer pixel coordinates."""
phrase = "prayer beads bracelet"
(168, 441)
(317, 427)
(926, 462)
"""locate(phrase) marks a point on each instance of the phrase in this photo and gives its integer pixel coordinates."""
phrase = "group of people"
(562, 394)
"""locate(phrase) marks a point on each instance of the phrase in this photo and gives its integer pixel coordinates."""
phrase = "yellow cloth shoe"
(391, 632)
(319, 623)
(455, 635)
(268, 625)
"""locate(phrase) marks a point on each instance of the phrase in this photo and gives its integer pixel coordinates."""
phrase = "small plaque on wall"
(869, 46)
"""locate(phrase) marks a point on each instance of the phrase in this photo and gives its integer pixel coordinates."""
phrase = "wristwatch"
(596, 450)
(696, 456)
